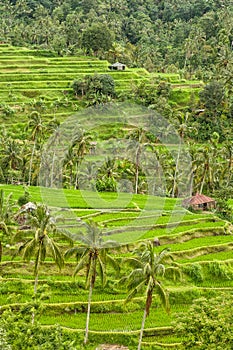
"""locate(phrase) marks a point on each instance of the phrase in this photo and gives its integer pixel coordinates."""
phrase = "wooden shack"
(117, 66)
(199, 202)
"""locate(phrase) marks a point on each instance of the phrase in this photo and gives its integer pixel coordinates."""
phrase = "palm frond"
(159, 270)
(4, 227)
(174, 273)
(102, 270)
(135, 291)
(65, 234)
(113, 262)
(55, 251)
(77, 250)
(22, 235)
(162, 296)
(135, 278)
(133, 262)
(28, 249)
(110, 244)
(83, 262)
(162, 256)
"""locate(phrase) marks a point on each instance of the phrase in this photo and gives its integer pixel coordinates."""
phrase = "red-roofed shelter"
(199, 202)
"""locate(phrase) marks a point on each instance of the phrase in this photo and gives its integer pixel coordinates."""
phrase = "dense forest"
(195, 37)
(191, 39)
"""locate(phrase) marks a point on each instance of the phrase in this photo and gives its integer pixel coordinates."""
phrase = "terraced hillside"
(31, 80)
(201, 245)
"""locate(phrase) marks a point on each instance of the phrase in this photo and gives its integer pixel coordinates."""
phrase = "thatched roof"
(28, 206)
(198, 199)
(117, 64)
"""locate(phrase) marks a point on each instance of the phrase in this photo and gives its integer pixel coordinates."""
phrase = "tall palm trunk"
(0, 251)
(36, 283)
(230, 162)
(176, 170)
(137, 168)
(30, 165)
(76, 176)
(88, 313)
(52, 170)
(142, 329)
(203, 181)
(35, 290)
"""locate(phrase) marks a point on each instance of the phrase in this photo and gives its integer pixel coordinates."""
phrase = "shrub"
(19, 333)
(24, 198)
(194, 271)
(219, 269)
(207, 325)
(94, 84)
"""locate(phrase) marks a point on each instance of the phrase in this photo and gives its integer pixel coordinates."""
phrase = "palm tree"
(228, 155)
(37, 241)
(87, 176)
(6, 215)
(181, 124)
(11, 158)
(139, 141)
(92, 254)
(81, 143)
(147, 268)
(69, 161)
(54, 128)
(107, 176)
(37, 128)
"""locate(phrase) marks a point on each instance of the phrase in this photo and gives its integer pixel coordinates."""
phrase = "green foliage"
(3, 342)
(96, 38)
(90, 85)
(24, 198)
(220, 270)
(207, 325)
(212, 96)
(224, 210)
(20, 334)
(194, 271)
(106, 185)
(6, 110)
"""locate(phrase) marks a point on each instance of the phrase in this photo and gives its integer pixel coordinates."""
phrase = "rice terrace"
(116, 185)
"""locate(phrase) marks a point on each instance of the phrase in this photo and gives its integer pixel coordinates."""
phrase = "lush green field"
(25, 77)
(199, 243)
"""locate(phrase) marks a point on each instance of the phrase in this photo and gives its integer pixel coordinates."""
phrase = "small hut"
(199, 202)
(29, 207)
(117, 66)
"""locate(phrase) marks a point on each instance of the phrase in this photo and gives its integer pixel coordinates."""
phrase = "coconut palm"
(139, 141)
(35, 124)
(81, 143)
(107, 176)
(37, 240)
(69, 161)
(228, 155)
(6, 215)
(87, 176)
(56, 134)
(182, 127)
(147, 268)
(92, 255)
(12, 159)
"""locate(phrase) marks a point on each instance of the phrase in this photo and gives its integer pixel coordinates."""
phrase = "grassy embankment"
(198, 242)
